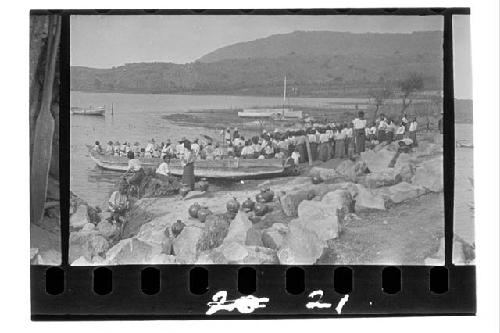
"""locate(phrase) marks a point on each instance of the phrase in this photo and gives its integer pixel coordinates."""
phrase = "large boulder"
(258, 255)
(319, 218)
(352, 170)
(274, 237)
(157, 235)
(429, 175)
(234, 252)
(377, 161)
(302, 247)
(327, 174)
(49, 257)
(340, 201)
(401, 192)
(365, 199)
(108, 229)
(132, 251)
(238, 229)
(214, 231)
(290, 202)
(86, 244)
(80, 217)
(185, 244)
(254, 237)
(386, 177)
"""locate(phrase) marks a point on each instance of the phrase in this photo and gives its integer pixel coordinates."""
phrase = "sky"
(462, 61)
(106, 41)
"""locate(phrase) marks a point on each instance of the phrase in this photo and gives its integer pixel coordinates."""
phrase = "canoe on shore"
(99, 111)
(234, 169)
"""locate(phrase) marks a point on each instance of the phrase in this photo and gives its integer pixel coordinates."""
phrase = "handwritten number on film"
(248, 304)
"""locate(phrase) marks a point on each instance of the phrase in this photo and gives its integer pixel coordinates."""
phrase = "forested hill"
(319, 43)
(315, 63)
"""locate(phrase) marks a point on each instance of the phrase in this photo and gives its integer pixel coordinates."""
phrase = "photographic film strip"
(319, 166)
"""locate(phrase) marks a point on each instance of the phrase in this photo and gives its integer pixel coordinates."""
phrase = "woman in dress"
(187, 161)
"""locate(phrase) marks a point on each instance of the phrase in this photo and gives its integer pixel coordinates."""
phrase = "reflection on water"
(137, 117)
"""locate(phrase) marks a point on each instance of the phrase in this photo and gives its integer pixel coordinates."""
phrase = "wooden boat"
(99, 111)
(464, 144)
(234, 169)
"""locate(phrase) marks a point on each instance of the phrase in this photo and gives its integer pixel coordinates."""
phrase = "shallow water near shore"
(137, 117)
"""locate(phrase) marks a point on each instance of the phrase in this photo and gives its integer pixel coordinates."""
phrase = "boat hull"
(100, 112)
(234, 169)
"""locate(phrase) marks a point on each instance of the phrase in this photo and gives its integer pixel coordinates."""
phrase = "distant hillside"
(320, 43)
(463, 111)
(327, 64)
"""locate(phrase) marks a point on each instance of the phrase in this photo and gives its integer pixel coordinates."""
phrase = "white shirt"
(247, 150)
(382, 125)
(311, 137)
(180, 150)
(359, 123)
(149, 148)
(163, 169)
(413, 126)
(134, 165)
(324, 137)
(348, 132)
(195, 148)
(400, 130)
(295, 156)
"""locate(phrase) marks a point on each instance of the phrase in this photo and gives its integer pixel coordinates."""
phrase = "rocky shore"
(372, 210)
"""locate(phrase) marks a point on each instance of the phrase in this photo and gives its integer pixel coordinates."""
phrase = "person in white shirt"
(359, 125)
(412, 133)
(400, 131)
(150, 147)
(296, 156)
(382, 127)
(179, 149)
(269, 151)
(247, 151)
(135, 172)
(164, 168)
(195, 147)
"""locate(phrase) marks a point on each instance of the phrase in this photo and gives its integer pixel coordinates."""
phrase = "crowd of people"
(326, 141)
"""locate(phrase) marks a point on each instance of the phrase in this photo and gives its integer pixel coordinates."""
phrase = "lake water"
(137, 117)
(464, 187)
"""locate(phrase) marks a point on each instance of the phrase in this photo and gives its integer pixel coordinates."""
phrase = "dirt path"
(405, 234)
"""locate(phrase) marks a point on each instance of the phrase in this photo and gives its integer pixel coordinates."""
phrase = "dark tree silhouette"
(414, 82)
(379, 96)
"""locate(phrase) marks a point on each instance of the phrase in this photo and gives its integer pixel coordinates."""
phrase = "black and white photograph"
(238, 139)
(45, 231)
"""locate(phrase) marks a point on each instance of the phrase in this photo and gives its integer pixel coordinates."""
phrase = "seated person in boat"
(97, 147)
(179, 149)
(230, 151)
(269, 151)
(296, 156)
(135, 171)
(208, 152)
(118, 202)
(195, 147)
(247, 151)
(217, 152)
(109, 148)
(164, 168)
(116, 148)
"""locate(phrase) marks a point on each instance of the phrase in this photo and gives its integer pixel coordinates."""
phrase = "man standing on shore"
(359, 132)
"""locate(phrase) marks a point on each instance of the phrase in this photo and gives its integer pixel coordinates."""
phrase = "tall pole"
(284, 96)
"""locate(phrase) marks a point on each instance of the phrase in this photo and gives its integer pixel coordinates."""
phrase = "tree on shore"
(379, 96)
(414, 82)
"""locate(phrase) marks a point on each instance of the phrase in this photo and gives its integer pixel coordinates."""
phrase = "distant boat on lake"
(98, 111)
